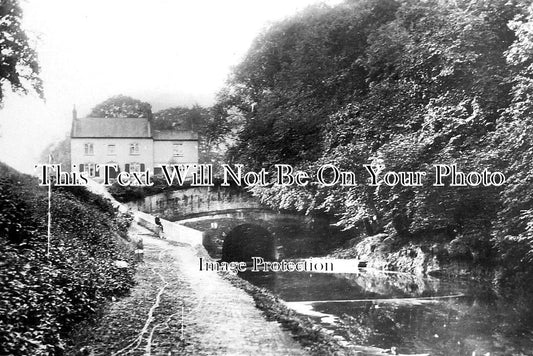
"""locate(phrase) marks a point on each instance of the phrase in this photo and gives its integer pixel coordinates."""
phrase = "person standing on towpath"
(160, 231)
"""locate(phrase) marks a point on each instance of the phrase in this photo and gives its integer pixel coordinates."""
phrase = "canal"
(415, 314)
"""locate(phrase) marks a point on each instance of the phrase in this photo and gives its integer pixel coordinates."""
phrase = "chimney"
(74, 113)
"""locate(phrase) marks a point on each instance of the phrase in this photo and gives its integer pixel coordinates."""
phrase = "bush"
(42, 298)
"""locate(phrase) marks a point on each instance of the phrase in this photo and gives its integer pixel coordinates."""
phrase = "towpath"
(175, 309)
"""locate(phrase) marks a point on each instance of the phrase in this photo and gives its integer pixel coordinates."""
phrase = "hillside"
(402, 85)
(43, 299)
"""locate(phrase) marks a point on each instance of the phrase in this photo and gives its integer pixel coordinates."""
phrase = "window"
(90, 168)
(177, 150)
(135, 167)
(111, 150)
(89, 149)
(134, 148)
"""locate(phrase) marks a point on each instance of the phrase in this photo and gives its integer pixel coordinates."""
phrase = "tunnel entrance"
(246, 241)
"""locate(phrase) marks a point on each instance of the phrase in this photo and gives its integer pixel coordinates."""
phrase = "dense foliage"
(403, 85)
(41, 298)
(128, 193)
(122, 106)
(19, 66)
(181, 118)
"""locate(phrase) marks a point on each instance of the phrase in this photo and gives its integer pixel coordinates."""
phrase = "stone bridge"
(231, 220)
(181, 204)
(291, 235)
(239, 240)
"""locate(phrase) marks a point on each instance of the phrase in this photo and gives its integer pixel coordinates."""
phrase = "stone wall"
(172, 231)
(184, 203)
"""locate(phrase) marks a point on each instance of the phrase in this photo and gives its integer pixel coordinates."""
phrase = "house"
(130, 143)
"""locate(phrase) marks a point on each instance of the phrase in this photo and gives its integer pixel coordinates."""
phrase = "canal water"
(415, 314)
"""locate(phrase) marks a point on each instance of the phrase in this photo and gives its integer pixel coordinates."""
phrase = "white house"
(130, 143)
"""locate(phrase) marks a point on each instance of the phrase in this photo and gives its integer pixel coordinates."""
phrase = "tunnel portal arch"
(246, 241)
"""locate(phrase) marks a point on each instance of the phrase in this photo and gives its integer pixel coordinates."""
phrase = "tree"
(60, 152)
(19, 65)
(438, 82)
(122, 106)
(181, 118)
(295, 75)
(514, 229)
(405, 83)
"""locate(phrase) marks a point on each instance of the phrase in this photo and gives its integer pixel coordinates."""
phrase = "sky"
(165, 52)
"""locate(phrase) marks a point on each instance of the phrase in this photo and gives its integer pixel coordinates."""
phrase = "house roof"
(111, 127)
(99, 127)
(163, 135)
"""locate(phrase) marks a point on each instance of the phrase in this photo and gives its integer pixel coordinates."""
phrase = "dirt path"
(175, 309)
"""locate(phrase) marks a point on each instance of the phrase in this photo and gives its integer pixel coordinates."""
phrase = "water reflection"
(415, 314)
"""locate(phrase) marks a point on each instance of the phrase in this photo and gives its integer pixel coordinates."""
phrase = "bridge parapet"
(173, 231)
(180, 204)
